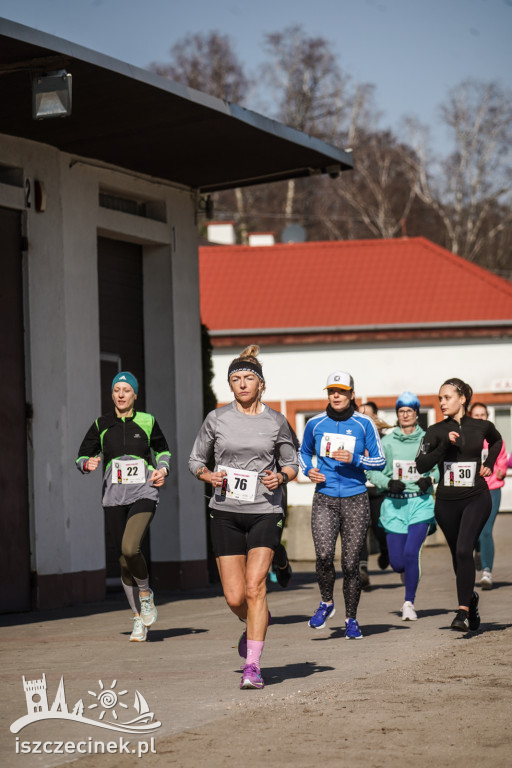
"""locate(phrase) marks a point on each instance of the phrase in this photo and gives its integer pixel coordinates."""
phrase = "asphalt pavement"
(188, 672)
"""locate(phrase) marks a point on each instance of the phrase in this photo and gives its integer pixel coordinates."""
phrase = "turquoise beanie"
(128, 378)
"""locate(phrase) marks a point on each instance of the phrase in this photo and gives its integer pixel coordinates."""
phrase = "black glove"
(396, 486)
(424, 483)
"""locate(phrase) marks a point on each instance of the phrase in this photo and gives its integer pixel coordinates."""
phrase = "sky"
(413, 51)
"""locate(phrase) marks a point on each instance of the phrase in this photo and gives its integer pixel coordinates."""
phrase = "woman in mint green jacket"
(407, 512)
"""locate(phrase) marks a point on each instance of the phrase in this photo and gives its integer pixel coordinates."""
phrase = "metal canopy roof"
(135, 119)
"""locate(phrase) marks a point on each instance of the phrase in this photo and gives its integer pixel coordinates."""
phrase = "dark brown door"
(121, 335)
(14, 519)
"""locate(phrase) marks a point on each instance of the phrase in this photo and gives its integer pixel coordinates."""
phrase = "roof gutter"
(360, 328)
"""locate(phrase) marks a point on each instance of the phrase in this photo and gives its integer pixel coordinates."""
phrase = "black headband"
(238, 366)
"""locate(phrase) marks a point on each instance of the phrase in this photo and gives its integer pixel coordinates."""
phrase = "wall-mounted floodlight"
(51, 95)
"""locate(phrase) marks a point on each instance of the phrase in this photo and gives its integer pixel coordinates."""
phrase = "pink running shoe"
(251, 677)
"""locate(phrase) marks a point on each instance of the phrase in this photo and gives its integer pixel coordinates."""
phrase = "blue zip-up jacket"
(342, 480)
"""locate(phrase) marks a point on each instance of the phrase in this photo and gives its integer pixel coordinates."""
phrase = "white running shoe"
(148, 611)
(140, 632)
(486, 580)
(408, 612)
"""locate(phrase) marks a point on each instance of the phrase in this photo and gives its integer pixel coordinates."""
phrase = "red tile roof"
(349, 283)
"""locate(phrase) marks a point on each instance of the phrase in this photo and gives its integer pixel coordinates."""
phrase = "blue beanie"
(408, 400)
(128, 378)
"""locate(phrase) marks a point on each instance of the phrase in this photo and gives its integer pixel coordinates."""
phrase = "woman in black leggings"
(463, 501)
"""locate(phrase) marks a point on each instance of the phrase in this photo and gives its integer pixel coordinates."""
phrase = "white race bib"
(334, 442)
(405, 471)
(128, 472)
(459, 473)
(239, 484)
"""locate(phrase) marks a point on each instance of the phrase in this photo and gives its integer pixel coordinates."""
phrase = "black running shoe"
(461, 621)
(283, 575)
(474, 616)
(383, 560)
(365, 578)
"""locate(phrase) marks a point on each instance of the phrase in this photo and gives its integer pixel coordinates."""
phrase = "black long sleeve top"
(436, 448)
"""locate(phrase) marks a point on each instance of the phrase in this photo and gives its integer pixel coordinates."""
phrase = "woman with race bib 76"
(248, 440)
(463, 501)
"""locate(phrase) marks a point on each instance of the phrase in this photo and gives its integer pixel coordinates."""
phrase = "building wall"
(296, 376)
(63, 375)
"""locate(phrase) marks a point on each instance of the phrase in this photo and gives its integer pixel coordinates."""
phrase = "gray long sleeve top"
(245, 442)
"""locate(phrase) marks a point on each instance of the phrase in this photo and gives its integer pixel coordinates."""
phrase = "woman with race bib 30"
(131, 442)
(463, 501)
(346, 443)
(247, 440)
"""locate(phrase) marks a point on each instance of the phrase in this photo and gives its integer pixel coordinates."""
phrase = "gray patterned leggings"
(331, 516)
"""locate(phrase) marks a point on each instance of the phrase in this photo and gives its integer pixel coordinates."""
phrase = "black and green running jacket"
(134, 437)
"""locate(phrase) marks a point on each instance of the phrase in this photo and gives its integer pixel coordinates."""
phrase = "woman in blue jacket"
(346, 443)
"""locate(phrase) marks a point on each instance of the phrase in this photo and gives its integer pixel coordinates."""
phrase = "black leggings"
(127, 525)
(462, 521)
(378, 530)
(331, 516)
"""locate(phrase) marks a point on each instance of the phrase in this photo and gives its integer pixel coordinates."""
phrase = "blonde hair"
(250, 353)
(248, 361)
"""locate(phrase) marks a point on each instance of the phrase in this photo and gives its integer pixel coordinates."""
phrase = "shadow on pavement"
(366, 629)
(430, 612)
(158, 635)
(293, 619)
(276, 675)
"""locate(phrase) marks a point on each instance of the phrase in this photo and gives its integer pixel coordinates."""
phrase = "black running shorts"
(235, 533)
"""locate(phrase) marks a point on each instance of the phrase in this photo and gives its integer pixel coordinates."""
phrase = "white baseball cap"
(340, 380)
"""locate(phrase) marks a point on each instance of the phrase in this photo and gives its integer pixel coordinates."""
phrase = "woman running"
(407, 512)
(495, 482)
(345, 443)
(247, 439)
(463, 501)
(128, 439)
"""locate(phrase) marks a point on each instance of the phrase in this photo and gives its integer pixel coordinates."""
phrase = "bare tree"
(308, 87)
(474, 183)
(378, 193)
(207, 62)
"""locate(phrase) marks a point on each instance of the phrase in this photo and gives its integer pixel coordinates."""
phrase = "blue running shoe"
(352, 631)
(324, 612)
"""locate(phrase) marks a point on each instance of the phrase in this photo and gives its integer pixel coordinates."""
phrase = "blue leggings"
(404, 555)
(486, 541)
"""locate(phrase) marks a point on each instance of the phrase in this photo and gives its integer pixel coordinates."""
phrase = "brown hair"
(462, 388)
(479, 405)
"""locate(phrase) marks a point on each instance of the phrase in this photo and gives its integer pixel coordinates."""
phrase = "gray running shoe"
(148, 611)
(140, 632)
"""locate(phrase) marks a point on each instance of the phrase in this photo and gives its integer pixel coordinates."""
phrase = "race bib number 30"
(239, 484)
(334, 442)
(405, 471)
(459, 474)
(128, 472)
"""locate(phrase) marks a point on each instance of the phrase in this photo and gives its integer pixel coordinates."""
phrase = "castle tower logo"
(107, 703)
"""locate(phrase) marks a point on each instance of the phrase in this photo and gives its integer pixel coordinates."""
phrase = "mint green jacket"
(398, 446)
